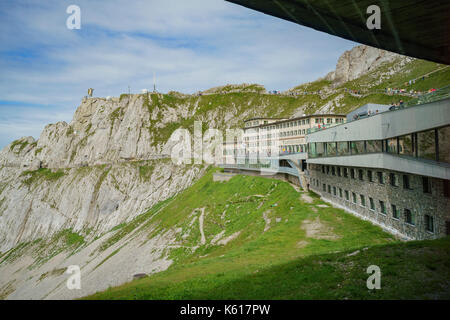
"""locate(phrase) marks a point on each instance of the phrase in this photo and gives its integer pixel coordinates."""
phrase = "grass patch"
(282, 261)
(41, 174)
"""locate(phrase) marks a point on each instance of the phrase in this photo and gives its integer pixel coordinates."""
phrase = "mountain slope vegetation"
(278, 243)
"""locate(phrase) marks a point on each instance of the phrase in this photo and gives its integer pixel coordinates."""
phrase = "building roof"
(417, 28)
(294, 119)
(267, 118)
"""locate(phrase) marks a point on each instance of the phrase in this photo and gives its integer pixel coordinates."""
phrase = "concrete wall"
(388, 124)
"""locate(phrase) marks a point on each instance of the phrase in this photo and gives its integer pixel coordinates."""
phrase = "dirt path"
(203, 239)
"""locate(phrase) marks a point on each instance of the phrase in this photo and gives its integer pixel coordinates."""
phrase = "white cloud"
(191, 45)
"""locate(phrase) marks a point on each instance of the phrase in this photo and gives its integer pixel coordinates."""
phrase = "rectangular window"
(426, 183)
(372, 204)
(338, 169)
(429, 223)
(357, 147)
(380, 177)
(369, 175)
(320, 149)
(340, 192)
(333, 170)
(323, 169)
(409, 218)
(382, 207)
(342, 148)
(329, 189)
(334, 191)
(374, 146)
(426, 145)
(331, 148)
(406, 145)
(352, 173)
(393, 178)
(363, 200)
(446, 188)
(406, 184)
(444, 144)
(395, 214)
(361, 174)
(345, 172)
(328, 169)
(324, 187)
(392, 145)
(346, 195)
(354, 197)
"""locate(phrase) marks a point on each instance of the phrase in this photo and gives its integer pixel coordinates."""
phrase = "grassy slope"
(282, 262)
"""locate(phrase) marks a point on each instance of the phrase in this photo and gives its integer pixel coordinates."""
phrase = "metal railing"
(440, 94)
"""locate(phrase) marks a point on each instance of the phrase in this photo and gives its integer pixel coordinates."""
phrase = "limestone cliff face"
(358, 61)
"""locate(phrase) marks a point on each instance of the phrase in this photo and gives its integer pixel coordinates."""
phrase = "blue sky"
(191, 45)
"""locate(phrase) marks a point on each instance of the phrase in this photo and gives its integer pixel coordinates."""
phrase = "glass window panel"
(392, 145)
(331, 148)
(320, 149)
(357, 147)
(405, 145)
(444, 144)
(312, 150)
(426, 145)
(374, 146)
(342, 148)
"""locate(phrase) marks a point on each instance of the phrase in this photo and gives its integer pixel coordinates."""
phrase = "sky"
(190, 45)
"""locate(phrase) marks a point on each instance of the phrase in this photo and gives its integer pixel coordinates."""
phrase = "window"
(342, 148)
(395, 214)
(338, 169)
(345, 172)
(380, 177)
(369, 175)
(444, 144)
(334, 191)
(352, 173)
(357, 147)
(426, 145)
(363, 200)
(429, 223)
(340, 192)
(409, 216)
(426, 183)
(333, 171)
(324, 187)
(361, 174)
(329, 189)
(323, 169)
(354, 197)
(393, 179)
(331, 148)
(374, 146)
(372, 204)
(406, 184)
(328, 169)
(392, 145)
(346, 195)
(382, 207)
(406, 145)
(446, 188)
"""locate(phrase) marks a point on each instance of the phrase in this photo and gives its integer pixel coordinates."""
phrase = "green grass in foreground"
(283, 262)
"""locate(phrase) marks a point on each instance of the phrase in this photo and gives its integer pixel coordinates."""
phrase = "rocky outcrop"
(357, 62)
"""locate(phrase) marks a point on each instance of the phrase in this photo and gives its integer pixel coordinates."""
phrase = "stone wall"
(434, 204)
